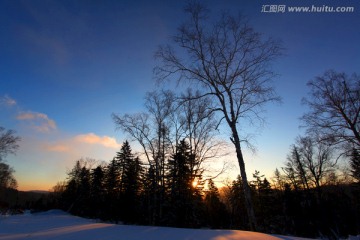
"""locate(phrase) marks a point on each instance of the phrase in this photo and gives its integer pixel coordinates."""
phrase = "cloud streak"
(7, 101)
(61, 148)
(39, 121)
(92, 138)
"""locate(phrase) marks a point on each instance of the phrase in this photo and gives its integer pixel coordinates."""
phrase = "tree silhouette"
(7, 179)
(97, 192)
(8, 145)
(112, 195)
(8, 142)
(334, 114)
(184, 196)
(159, 131)
(309, 163)
(103, 191)
(130, 183)
(229, 61)
(216, 213)
(355, 164)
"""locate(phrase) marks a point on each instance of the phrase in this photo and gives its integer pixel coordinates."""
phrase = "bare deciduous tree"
(295, 170)
(310, 163)
(334, 114)
(8, 145)
(8, 142)
(198, 123)
(7, 179)
(230, 62)
(166, 122)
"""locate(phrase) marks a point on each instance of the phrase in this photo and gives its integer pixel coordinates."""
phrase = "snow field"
(58, 225)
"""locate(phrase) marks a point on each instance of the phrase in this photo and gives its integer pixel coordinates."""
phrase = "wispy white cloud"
(39, 121)
(88, 144)
(7, 101)
(92, 138)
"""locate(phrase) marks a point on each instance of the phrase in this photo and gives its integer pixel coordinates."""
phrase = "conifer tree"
(185, 200)
(216, 214)
(112, 191)
(84, 192)
(355, 164)
(238, 217)
(130, 182)
(72, 186)
(123, 161)
(97, 193)
(264, 203)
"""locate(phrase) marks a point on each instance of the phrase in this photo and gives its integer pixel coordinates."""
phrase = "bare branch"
(230, 62)
(334, 102)
(8, 142)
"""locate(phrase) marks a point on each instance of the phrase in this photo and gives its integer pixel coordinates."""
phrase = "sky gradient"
(66, 66)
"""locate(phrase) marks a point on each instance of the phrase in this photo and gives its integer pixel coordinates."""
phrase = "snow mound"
(53, 212)
(56, 224)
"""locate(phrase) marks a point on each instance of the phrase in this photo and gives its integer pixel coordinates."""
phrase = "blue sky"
(66, 66)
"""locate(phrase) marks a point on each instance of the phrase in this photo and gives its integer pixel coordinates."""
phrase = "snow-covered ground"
(56, 224)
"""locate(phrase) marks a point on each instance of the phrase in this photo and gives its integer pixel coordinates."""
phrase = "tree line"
(300, 204)
(178, 139)
(126, 190)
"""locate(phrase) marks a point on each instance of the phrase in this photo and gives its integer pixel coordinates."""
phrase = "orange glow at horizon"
(35, 186)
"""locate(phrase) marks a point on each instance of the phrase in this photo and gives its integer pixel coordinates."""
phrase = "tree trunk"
(246, 187)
